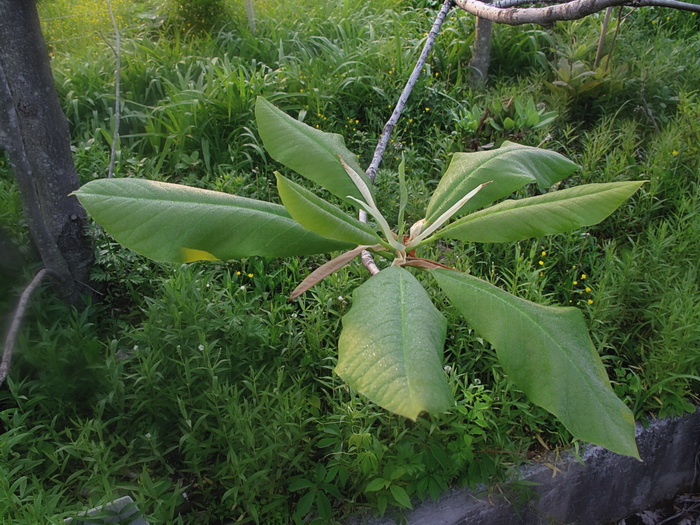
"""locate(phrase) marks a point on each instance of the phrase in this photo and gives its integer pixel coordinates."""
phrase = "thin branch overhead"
(367, 259)
(505, 14)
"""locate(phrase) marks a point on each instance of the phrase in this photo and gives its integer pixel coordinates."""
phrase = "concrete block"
(605, 488)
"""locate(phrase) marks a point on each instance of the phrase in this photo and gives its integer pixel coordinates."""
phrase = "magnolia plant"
(392, 338)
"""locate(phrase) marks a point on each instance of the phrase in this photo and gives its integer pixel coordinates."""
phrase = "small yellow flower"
(544, 254)
(588, 288)
(583, 276)
(590, 301)
(250, 275)
(541, 263)
(575, 283)
(674, 153)
(238, 273)
(427, 109)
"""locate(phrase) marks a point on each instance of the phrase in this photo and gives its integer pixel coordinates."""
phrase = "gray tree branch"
(17, 317)
(367, 259)
(410, 84)
(251, 15)
(567, 11)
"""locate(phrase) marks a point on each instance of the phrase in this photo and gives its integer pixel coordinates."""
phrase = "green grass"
(208, 397)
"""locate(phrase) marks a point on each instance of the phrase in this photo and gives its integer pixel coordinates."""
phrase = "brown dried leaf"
(328, 268)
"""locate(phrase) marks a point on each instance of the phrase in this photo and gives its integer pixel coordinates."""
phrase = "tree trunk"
(34, 133)
(481, 59)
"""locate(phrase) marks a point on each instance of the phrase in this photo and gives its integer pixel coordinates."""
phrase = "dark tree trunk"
(481, 59)
(34, 133)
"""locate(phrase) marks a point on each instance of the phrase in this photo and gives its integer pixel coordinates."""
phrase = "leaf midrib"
(238, 202)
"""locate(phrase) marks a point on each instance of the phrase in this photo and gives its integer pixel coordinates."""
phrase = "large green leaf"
(510, 167)
(170, 222)
(310, 152)
(555, 212)
(391, 345)
(320, 216)
(547, 352)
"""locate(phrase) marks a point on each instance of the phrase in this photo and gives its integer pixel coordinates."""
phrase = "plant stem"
(16, 322)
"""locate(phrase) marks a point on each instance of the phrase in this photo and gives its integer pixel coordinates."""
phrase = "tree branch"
(367, 259)
(567, 11)
(403, 98)
(17, 322)
(531, 3)
(11, 138)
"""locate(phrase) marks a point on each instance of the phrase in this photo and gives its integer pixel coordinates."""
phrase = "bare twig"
(647, 110)
(367, 259)
(572, 10)
(16, 323)
(117, 49)
(403, 98)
